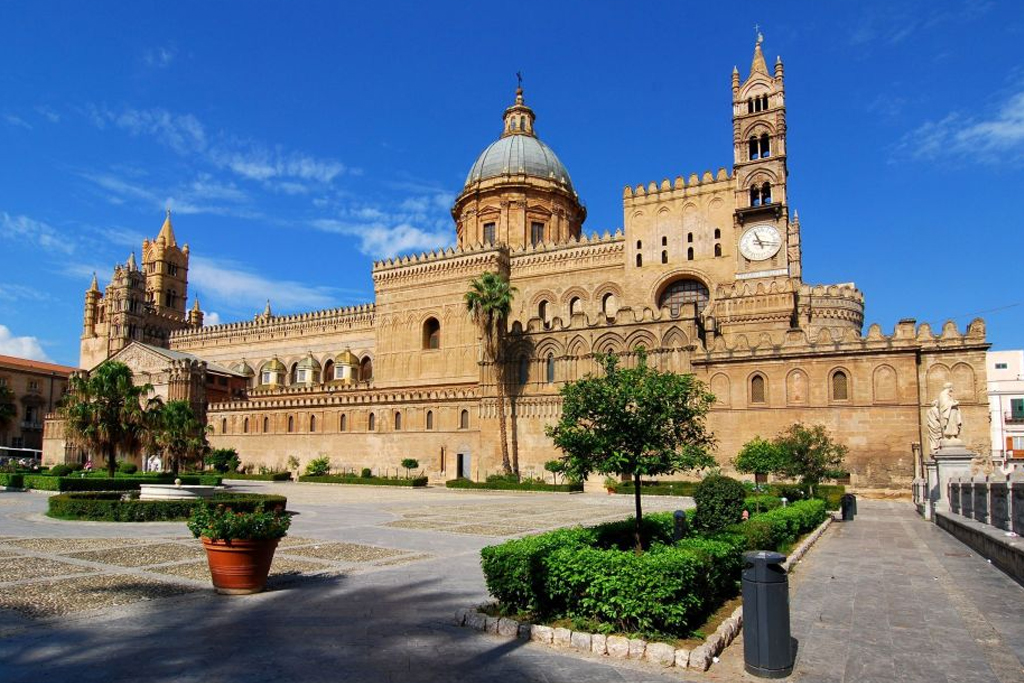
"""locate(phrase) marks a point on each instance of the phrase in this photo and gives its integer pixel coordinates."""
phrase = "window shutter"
(1009, 443)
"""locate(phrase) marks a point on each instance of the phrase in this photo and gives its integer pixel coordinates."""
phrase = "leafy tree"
(105, 412)
(8, 411)
(179, 434)
(810, 454)
(555, 467)
(636, 422)
(410, 464)
(225, 459)
(319, 467)
(760, 456)
(489, 302)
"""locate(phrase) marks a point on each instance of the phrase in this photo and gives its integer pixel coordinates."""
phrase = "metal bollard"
(767, 647)
(848, 504)
(681, 527)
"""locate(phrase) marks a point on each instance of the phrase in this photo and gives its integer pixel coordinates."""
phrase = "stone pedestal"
(952, 459)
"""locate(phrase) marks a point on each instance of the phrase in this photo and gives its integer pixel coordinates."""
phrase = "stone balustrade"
(995, 500)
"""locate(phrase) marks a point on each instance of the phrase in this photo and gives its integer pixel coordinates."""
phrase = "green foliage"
(719, 503)
(760, 456)
(633, 421)
(777, 528)
(111, 506)
(59, 471)
(44, 482)
(810, 454)
(371, 480)
(761, 503)
(13, 480)
(555, 467)
(8, 409)
(655, 488)
(318, 467)
(409, 464)
(223, 459)
(366, 473)
(125, 467)
(104, 412)
(267, 476)
(503, 484)
(223, 523)
(179, 434)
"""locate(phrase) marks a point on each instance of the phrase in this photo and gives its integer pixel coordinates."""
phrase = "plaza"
(365, 587)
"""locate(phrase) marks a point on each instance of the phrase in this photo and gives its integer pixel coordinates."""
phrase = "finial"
(195, 304)
(168, 212)
(760, 36)
(266, 311)
(95, 286)
(519, 80)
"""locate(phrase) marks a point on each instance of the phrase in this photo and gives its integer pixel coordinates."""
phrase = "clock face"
(760, 242)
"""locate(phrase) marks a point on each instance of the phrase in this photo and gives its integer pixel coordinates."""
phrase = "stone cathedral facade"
(705, 275)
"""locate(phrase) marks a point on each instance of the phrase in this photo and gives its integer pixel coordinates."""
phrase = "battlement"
(348, 316)
(321, 396)
(639, 193)
(786, 285)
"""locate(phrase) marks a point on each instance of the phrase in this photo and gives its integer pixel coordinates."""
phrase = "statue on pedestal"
(949, 414)
(934, 426)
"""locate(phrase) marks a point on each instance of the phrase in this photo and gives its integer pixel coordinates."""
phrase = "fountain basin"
(175, 492)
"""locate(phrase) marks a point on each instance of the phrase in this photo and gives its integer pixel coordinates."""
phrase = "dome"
(519, 155)
(274, 365)
(346, 357)
(242, 368)
(309, 363)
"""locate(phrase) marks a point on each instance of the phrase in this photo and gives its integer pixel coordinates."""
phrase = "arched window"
(689, 254)
(343, 423)
(291, 423)
(608, 304)
(750, 106)
(718, 250)
(224, 425)
(840, 386)
(293, 376)
(366, 369)
(664, 241)
(664, 257)
(689, 238)
(765, 146)
(639, 260)
(430, 419)
(766, 193)
(757, 389)
(266, 425)
(753, 148)
(398, 421)
(764, 103)
(639, 244)
(464, 419)
(245, 426)
(542, 310)
(718, 233)
(312, 423)
(328, 371)
(684, 292)
(755, 196)
(550, 373)
(371, 423)
(524, 370)
(431, 334)
(575, 306)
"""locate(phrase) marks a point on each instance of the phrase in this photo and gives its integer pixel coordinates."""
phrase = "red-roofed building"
(36, 388)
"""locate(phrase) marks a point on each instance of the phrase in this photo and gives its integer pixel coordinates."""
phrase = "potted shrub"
(239, 545)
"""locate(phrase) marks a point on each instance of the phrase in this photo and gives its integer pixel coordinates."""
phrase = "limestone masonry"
(705, 275)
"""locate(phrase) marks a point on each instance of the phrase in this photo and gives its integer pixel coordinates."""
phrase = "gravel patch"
(292, 541)
(490, 530)
(347, 552)
(405, 559)
(416, 524)
(20, 568)
(200, 571)
(141, 556)
(54, 598)
(62, 546)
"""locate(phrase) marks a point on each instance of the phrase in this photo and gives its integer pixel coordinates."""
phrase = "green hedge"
(15, 481)
(272, 476)
(655, 488)
(44, 482)
(830, 493)
(108, 507)
(780, 527)
(512, 486)
(373, 481)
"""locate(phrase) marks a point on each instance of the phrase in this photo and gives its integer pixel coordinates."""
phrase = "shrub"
(410, 464)
(657, 488)
(126, 467)
(75, 466)
(223, 459)
(366, 473)
(267, 476)
(318, 467)
(372, 481)
(761, 503)
(12, 479)
(111, 507)
(777, 528)
(59, 471)
(44, 482)
(502, 484)
(719, 502)
(222, 523)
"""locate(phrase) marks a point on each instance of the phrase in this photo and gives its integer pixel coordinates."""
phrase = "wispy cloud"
(996, 138)
(16, 121)
(895, 23)
(21, 347)
(239, 289)
(15, 292)
(380, 239)
(203, 195)
(48, 113)
(160, 57)
(183, 133)
(25, 229)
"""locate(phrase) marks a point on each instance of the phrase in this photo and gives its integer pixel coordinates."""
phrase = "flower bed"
(513, 486)
(108, 506)
(270, 476)
(373, 481)
(43, 482)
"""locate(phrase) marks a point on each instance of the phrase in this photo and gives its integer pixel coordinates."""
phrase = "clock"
(760, 242)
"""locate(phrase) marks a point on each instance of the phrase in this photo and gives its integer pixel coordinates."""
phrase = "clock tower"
(767, 243)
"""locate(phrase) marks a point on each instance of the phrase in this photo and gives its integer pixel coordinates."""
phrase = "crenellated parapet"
(345, 318)
(342, 395)
(441, 264)
(584, 252)
(680, 188)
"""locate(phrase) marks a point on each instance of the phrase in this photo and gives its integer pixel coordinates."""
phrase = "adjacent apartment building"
(1006, 403)
(35, 387)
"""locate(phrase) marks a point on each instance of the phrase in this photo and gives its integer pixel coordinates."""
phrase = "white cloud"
(12, 292)
(235, 286)
(259, 163)
(48, 113)
(17, 121)
(160, 57)
(211, 318)
(998, 137)
(21, 347)
(25, 229)
(381, 240)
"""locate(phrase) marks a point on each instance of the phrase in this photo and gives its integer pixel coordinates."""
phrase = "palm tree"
(178, 433)
(489, 302)
(104, 411)
(7, 408)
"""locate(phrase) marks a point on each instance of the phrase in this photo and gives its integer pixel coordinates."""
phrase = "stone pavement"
(368, 580)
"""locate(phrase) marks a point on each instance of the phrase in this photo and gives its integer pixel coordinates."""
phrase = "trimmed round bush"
(59, 471)
(126, 467)
(719, 501)
(366, 473)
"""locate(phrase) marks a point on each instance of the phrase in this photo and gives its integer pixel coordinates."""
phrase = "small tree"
(319, 467)
(223, 459)
(633, 421)
(810, 454)
(760, 456)
(555, 467)
(410, 464)
(179, 434)
(106, 412)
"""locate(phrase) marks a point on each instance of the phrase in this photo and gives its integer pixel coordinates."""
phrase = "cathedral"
(705, 275)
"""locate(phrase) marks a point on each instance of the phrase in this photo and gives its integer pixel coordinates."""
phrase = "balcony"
(31, 426)
(1013, 418)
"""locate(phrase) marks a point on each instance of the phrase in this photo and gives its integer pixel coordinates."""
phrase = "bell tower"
(166, 269)
(768, 245)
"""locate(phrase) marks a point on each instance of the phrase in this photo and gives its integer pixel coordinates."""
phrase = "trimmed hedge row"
(44, 482)
(272, 476)
(512, 486)
(830, 493)
(777, 528)
(108, 507)
(652, 488)
(14, 480)
(374, 481)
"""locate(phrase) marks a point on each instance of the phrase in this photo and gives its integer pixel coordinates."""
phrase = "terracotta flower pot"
(239, 567)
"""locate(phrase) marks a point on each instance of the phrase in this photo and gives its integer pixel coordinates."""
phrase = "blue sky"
(298, 142)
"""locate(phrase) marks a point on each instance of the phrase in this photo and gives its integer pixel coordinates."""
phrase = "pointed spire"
(735, 78)
(167, 232)
(267, 314)
(195, 304)
(758, 65)
(132, 265)
(778, 66)
(95, 286)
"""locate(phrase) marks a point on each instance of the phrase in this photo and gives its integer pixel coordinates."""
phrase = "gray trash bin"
(848, 504)
(767, 646)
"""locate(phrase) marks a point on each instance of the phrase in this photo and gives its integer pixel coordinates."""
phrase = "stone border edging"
(619, 647)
